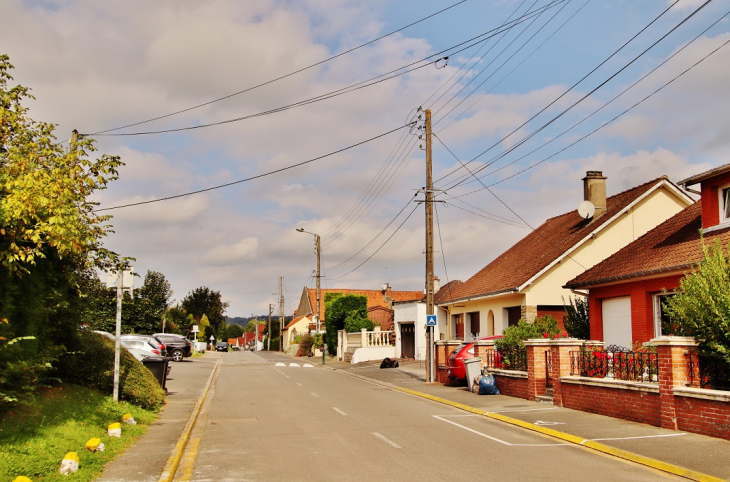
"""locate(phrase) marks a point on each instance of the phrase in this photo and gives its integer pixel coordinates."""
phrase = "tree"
(577, 321)
(701, 306)
(153, 300)
(234, 331)
(337, 311)
(204, 301)
(178, 321)
(205, 331)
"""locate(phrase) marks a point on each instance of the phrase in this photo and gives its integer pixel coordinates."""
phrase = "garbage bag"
(488, 385)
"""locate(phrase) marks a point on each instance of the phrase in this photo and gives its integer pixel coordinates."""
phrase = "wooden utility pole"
(319, 255)
(281, 312)
(118, 331)
(268, 337)
(429, 249)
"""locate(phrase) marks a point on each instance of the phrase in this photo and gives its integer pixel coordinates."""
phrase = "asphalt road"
(267, 422)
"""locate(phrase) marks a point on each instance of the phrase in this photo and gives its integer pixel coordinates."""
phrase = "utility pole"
(319, 255)
(117, 343)
(429, 249)
(281, 311)
(268, 337)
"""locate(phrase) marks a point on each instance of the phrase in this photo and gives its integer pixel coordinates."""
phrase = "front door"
(408, 340)
(617, 321)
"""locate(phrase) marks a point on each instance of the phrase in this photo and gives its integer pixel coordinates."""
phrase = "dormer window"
(724, 193)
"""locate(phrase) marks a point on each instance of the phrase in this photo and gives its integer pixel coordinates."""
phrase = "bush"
(356, 322)
(514, 336)
(305, 345)
(577, 320)
(337, 311)
(91, 364)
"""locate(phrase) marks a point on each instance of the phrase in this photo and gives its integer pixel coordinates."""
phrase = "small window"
(725, 204)
(662, 324)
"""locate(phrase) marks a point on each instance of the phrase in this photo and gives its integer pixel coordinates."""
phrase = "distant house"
(625, 290)
(527, 280)
(298, 326)
(410, 322)
(379, 302)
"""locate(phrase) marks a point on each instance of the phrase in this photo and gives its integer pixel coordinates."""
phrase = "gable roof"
(674, 245)
(375, 297)
(547, 244)
(294, 322)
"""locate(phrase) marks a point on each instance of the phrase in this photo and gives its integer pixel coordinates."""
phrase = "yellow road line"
(597, 446)
(174, 461)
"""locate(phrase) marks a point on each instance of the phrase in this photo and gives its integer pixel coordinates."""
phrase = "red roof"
(541, 247)
(294, 322)
(674, 245)
(375, 297)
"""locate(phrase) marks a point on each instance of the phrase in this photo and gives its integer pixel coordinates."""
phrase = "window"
(724, 204)
(662, 325)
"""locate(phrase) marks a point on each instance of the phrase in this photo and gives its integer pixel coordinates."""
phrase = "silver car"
(145, 342)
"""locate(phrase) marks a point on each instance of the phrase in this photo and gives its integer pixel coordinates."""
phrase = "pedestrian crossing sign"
(430, 320)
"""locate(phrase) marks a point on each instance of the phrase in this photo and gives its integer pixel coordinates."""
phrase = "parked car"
(221, 346)
(178, 347)
(136, 352)
(145, 342)
(456, 370)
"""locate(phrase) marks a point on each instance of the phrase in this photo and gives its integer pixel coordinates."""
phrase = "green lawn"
(34, 436)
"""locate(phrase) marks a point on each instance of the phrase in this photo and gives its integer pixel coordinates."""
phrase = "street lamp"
(319, 257)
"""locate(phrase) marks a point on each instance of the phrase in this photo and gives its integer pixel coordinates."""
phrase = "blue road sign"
(430, 320)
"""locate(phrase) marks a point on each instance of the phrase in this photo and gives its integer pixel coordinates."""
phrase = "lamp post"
(319, 257)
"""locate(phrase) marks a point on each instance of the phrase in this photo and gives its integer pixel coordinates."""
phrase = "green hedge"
(91, 363)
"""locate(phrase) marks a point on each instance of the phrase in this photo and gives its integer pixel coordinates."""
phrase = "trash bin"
(473, 369)
(158, 366)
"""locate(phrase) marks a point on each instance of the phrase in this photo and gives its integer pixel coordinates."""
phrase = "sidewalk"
(640, 442)
(146, 459)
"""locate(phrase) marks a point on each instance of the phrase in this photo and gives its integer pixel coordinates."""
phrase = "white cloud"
(226, 254)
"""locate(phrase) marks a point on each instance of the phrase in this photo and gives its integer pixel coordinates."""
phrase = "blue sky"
(98, 65)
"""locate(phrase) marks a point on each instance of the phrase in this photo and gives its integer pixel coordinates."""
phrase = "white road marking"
(526, 410)
(299, 384)
(308, 365)
(541, 422)
(294, 365)
(280, 365)
(339, 411)
(643, 436)
(387, 441)
(503, 442)
(314, 394)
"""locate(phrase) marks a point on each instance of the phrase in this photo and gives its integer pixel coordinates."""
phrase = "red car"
(456, 369)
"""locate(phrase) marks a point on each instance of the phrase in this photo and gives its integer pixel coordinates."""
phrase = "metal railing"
(515, 359)
(616, 364)
(708, 371)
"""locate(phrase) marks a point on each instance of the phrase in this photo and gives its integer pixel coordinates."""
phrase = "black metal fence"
(708, 371)
(615, 363)
(515, 359)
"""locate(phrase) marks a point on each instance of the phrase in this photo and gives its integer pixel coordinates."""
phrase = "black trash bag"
(488, 385)
(389, 363)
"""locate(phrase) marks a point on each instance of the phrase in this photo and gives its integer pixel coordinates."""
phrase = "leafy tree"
(203, 301)
(204, 329)
(701, 306)
(356, 322)
(337, 311)
(153, 300)
(178, 321)
(577, 321)
(234, 331)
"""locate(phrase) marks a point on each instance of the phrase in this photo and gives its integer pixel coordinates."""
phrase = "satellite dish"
(586, 209)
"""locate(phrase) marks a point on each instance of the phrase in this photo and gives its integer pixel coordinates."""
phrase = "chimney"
(387, 293)
(594, 190)
(436, 284)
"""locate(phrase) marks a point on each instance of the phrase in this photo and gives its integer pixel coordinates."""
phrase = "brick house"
(625, 290)
(379, 302)
(527, 280)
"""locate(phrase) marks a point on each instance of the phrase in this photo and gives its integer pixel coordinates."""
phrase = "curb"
(597, 446)
(174, 461)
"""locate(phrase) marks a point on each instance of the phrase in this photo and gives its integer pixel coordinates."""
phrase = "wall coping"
(716, 395)
(557, 342)
(483, 342)
(609, 383)
(508, 373)
(673, 341)
(448, 342)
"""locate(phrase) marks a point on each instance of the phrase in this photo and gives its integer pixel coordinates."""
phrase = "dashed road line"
(314, 394)
(386, 440)
(339, 411)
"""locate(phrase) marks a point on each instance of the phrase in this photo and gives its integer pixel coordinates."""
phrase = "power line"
(283, 76)
(253, 177)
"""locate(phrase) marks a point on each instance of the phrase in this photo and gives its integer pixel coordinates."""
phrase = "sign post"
(117, 278)
(431, 322)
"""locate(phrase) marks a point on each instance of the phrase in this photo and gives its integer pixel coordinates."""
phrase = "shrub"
(337, 311)
(577, 321)
(514, 336)
(305, 345)
(91, 363)
(356, 322)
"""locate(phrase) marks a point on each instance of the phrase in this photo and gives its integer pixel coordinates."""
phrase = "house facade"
(528, 279)
(298, 326)
(627, 290)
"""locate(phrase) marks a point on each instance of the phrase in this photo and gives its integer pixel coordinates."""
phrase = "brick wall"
(513, 387)
(707, 417)
(636, 406)
(711, 201)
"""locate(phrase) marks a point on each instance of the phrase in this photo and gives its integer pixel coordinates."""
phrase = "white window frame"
(658, 312)
(724, 219)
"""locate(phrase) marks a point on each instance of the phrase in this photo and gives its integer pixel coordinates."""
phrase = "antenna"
(586, 209)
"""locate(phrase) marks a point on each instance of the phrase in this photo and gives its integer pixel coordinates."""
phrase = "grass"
(35, 436)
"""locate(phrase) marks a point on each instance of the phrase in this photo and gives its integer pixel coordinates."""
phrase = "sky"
(525, 86)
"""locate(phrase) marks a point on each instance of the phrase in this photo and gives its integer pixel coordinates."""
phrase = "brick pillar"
(443, 350)
(536, 376)
(481, 348)
(673, 372)
(560, 354)
(528, 313)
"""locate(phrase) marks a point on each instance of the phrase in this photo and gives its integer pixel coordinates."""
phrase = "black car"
(178, 347)
(221, 346)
